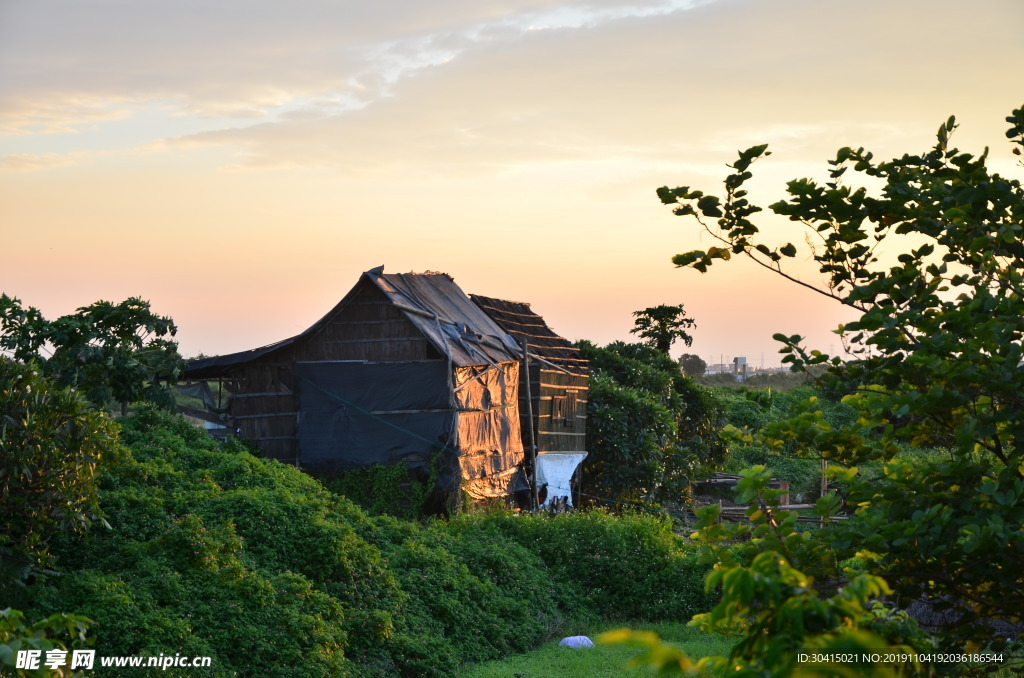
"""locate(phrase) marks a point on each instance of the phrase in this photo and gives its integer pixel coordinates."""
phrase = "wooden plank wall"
(559, 408)
(267, 416)
(368, 327)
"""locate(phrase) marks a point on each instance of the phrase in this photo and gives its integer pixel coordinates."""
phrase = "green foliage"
(387, 489)
(657, 656)
(42, 636)
(51, 442)
(753, 409)
(213, 552)
(937, 363)
(692, 365)
(624, 567)
(108, 351)
(650, 430)
(474, 595)
(662, 325)
(780, 381)
(775, 609)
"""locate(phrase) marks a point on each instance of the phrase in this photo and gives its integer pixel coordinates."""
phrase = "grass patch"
(601, 661)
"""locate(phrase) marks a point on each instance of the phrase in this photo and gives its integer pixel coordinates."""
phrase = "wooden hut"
(554, 390)
(405, 367)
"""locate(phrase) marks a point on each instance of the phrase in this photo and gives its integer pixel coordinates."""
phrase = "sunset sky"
(240, 163)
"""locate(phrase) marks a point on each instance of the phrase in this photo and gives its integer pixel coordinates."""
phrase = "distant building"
(718, 368)
(739, 368)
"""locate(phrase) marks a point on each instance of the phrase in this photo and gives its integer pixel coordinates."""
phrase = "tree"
(692, 365)
(51, 441)
(109, 351)
(937, 361)
(650, 431)
(662, 325)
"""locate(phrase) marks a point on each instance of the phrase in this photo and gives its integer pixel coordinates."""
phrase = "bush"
(213, 552)
(476, 595)
(386, 490)
(488, 584)
(650, 431)
(42, 636)
(624, 567)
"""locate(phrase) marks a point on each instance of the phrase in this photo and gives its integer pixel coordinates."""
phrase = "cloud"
(477, 87)
(249, 58)
(57, 114)
(648, 86)
(30, 162)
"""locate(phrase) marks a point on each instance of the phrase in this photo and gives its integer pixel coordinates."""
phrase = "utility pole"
(534, 492)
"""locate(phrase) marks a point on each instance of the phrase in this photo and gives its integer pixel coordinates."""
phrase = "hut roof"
(217, 366)
(456, 326)
(518, 319)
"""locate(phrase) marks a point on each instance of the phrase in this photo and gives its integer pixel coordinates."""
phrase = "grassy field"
(601, 661)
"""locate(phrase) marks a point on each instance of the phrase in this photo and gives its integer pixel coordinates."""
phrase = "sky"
(239, 164)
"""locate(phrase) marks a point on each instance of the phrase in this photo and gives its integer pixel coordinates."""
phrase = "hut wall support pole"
(534, 490)
(824, 487)
(579, 485)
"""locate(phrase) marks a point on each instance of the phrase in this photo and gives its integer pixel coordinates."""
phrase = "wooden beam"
(367, 362)
(532, 433)
(548, 416)
(786, 507)
(265, 394)
(382, 340)
(422, 312)
(475, 378)
(266, 416)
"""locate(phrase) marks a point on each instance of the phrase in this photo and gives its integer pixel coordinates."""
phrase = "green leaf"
(666, 195)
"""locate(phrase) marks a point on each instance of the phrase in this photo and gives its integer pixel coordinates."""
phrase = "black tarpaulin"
(355, 414)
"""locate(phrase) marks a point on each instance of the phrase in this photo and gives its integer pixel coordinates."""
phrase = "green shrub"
(484, 585)
(744, 413)
(650, 431)
(803, 475)
(386, 490)
(624, 567)
(213, 552)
